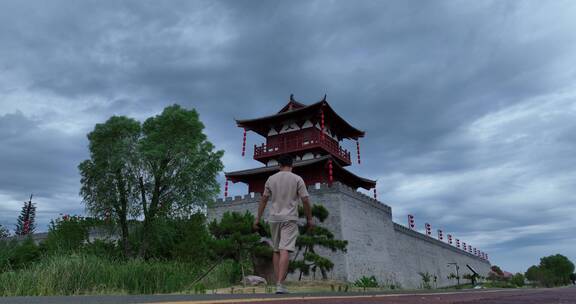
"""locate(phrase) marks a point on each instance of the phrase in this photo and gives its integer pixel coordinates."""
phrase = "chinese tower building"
(311, 134)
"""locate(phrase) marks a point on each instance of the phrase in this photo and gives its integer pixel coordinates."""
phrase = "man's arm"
(261, 207)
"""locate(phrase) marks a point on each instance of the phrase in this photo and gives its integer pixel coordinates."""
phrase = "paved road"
(521, 296)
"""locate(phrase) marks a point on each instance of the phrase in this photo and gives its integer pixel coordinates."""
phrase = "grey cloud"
(418, 77)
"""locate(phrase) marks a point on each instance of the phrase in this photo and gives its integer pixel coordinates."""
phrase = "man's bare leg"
(283, 261)
(275, 261)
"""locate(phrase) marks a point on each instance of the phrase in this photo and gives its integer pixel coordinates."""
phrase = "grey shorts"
(284, 235)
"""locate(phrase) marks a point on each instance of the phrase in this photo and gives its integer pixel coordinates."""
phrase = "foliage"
(235, 240)
(16, 255)
(426, 278)
(4, 232)
(182, 239)
(165, 168)
(366, 282)
(532, 273)
(87, 274)
(67, 234)
(109, 177)
(497, 270)
(552, 271)
(307, 242)
(178, 166)
(517, 279)
(573, 278)
(26, 223)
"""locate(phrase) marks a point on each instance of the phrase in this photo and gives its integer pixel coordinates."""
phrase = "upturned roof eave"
(248, 124)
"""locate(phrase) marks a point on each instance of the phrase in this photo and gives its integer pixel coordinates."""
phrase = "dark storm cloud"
(460, 102)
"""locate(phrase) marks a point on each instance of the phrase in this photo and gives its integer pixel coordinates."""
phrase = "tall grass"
(88, 274)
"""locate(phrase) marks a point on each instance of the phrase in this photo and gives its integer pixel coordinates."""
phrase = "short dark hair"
(285, 160)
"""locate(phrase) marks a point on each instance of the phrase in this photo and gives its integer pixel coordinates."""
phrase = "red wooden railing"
(296, 142)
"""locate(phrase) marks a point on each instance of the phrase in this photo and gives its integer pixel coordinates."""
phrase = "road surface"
(515, 296)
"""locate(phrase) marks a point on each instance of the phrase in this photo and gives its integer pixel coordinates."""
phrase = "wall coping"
(418, 235)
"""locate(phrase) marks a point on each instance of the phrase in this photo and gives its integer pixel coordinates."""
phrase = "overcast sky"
(469, 106)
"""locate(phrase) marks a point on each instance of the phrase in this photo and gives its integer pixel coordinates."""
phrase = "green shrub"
(16, 255)
(426, 278)
(66, 234)
(517, 280)
(366, 282)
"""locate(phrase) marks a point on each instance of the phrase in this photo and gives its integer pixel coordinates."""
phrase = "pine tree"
(26, 221)
(308, 241)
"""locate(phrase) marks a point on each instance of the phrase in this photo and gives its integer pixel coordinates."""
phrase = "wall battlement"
(336, 187)
(413, 233)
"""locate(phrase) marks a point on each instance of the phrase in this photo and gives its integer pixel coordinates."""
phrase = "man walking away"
(284, 190)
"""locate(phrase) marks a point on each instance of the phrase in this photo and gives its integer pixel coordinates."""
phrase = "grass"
(88, 274)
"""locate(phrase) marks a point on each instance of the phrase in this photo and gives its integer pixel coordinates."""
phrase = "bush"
(517, 279)
(366, 282)
(16, 255)
(66, 234)
(426, 278)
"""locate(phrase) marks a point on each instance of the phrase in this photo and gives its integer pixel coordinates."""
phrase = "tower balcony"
(295, 142)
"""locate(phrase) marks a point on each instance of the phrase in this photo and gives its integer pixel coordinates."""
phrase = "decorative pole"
(450, 239)
(244, 144)
(358, 150)
(226, 188)
(375, 194)
(440, 235)
(457, 243)
(330, 176)
(428, 229)
(464, 246)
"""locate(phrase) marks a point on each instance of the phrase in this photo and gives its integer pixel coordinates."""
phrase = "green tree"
(234, 239)
(552, 271)
(109, 178)
(26, 223)
(165, 168)
(178, 167)
(558, 267)
(309, 240)
(4, 232)
(532, 273)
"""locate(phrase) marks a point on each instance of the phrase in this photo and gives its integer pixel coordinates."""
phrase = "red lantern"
(358, 150)
(411, 221)
(226, 188)
(244, 144)
(464, 246)
(428, 229)
(375, 195)
(440, 235)
(450, 239)
(330, 175)
(322, 124)
(457, 243)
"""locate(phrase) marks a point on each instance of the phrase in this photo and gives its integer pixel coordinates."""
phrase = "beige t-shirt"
(285, 190)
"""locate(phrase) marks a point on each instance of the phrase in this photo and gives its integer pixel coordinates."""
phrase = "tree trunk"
(125, 237)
